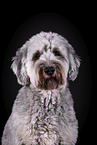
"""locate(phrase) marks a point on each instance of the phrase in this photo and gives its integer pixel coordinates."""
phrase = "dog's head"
(46, 61)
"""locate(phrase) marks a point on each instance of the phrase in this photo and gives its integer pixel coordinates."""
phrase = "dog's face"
(46, 61)
(46, 67)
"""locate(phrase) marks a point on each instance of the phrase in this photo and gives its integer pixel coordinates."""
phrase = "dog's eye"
(56, 53)
(36, 56)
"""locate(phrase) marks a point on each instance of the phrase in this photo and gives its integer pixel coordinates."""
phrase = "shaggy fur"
(43, 111)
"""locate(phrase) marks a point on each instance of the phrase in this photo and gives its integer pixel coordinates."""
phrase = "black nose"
(49, 70)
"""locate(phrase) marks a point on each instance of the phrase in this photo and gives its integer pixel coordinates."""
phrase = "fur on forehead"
(46, 41)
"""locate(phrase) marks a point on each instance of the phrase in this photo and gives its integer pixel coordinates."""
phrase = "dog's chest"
(46, 113)
(43, 118)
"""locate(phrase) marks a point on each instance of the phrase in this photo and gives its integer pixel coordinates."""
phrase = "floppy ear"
(74, 64)
(18, 66)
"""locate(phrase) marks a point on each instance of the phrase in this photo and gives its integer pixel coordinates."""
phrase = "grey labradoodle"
(43, 112)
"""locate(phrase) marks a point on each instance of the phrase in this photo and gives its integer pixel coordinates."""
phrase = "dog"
(43, 112)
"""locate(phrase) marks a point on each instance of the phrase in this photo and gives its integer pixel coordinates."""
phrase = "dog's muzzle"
(50, 76)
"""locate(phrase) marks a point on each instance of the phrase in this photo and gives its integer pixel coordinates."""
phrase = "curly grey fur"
(43, 116)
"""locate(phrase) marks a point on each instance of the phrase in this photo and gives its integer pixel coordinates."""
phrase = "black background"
(78, 30)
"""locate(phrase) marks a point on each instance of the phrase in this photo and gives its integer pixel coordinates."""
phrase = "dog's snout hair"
(50, 77)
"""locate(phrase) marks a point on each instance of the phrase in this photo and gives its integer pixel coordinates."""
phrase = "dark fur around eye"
(36, 56)
(56, 53)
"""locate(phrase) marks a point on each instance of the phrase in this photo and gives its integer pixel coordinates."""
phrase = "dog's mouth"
(50, 77)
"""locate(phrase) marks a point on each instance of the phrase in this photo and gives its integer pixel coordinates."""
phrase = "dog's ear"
(74, 64)
(19, 66)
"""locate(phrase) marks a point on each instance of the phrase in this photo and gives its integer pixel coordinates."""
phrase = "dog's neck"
(59, 89)
(48, 94)
(47, 102)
